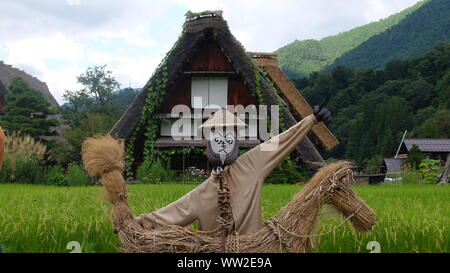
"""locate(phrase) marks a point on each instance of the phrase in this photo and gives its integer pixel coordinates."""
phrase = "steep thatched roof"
(9, 73)
(204, 29)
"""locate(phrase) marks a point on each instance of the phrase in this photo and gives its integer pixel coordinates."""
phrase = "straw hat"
(223, 118)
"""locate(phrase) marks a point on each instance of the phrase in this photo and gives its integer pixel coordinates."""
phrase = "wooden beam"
(169, 142)
(209, 72)
(297, 102)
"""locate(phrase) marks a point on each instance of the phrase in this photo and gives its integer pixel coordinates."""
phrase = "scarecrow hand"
(322, 114)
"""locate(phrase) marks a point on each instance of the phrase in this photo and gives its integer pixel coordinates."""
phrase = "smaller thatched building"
(431, 147)
(8, 73)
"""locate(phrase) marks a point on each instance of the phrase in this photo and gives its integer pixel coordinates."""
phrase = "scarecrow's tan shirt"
(245, 177)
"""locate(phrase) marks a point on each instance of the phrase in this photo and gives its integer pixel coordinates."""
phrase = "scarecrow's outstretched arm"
(180, 213)
(264, 158)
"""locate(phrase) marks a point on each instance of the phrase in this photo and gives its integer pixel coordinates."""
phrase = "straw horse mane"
(289, 231)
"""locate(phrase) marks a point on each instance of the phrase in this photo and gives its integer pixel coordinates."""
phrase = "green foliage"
(429, 169)
(416, 34)
(156, 90)
(414, 158)
(77, 176)
(27, 111)
(22, 171)
(372, 109)
(99, 84)
(288, 172)
(437, 126)
(154, 173)
(41, 218)
(55, 176)
(92, 124)
(193, 174)
(61, 153)
(410, 177)
(373, 165)
(91, 110)
(301, 58)
(97, 96)
(23, 160)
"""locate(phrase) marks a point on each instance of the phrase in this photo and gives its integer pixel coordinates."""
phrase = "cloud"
(58, 40)
(73, 2)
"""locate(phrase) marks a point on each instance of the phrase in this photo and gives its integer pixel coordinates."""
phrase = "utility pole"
(399, 146)
(446, 172)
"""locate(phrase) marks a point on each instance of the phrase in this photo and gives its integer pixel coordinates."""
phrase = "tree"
(94, 123)
(28, 111)
(98, 84)
(97, 95)
(414, 158)
(438, 126)
(418, 93)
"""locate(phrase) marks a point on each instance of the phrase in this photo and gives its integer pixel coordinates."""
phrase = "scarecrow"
(230, 199)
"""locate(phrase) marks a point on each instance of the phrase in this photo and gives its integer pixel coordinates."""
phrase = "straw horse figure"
(289, 231)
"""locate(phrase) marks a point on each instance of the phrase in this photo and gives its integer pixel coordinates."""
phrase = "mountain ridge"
(300, 58)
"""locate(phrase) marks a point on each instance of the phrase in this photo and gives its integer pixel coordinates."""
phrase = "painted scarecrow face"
(223, 148)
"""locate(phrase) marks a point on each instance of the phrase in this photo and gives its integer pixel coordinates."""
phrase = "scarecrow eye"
(230, 140)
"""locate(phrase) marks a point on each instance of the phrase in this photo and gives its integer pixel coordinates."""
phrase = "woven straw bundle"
(290, 230)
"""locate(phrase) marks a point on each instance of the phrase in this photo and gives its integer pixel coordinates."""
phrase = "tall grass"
(22, 160)
(411, 218)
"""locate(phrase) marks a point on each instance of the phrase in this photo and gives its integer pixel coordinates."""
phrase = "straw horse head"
(290, 230)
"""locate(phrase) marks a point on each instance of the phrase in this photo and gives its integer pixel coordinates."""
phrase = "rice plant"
(34, 218)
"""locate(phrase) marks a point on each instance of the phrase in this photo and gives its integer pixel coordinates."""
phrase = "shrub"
(23, 160)
(193, 174)
(77, 176)
(410, 177)
(154, 173)
(287, 172)
(373, 165)
(55, 176)
(414, 158)
(429, 169)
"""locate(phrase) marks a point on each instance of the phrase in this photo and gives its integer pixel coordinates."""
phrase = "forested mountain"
(300, 58)
(416, 34)
(372, 108)
(124, 97)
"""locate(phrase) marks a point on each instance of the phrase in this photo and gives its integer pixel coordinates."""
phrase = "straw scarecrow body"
(227, 205)
(289, 231)
(243, 178)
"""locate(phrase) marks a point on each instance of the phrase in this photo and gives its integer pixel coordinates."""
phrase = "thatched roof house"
(207, 62)
(9, 73)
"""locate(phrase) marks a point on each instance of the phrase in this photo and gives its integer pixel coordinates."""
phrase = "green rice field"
(411, 218)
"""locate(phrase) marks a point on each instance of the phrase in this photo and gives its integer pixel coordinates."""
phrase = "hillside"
(372, 109)
(413, 36)
(300, 58)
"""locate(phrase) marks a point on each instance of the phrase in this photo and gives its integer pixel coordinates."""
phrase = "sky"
(57, 40)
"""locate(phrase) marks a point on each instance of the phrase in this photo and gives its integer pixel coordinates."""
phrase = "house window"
(209, 92)
(185, 127)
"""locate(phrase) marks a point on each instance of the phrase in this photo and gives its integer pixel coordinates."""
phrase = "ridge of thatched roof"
(8, 73)
(195, 32)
